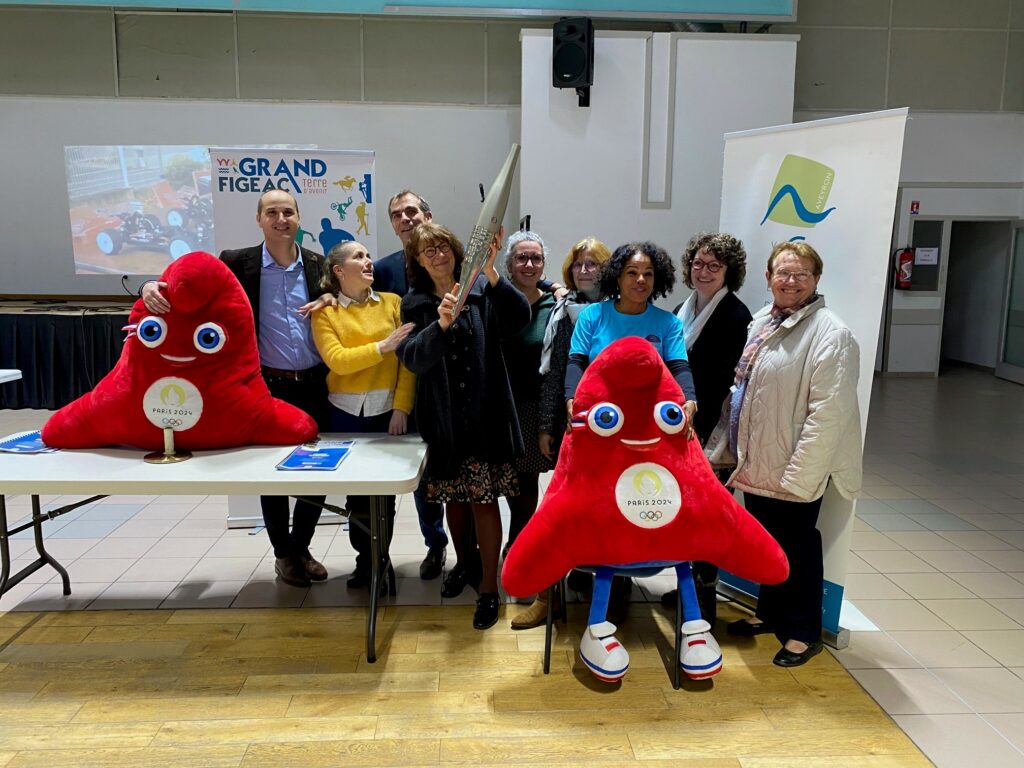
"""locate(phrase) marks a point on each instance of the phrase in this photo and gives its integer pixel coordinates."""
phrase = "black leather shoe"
(290, 570)
(457, 579)
(360, 579)
(486, 614)
(786, 658)
(314, 569)
(743, 628)
(433, 563)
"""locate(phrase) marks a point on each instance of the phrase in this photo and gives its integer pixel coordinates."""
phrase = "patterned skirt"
(476, 482)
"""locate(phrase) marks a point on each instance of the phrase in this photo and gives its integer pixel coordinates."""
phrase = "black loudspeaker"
(572, 59)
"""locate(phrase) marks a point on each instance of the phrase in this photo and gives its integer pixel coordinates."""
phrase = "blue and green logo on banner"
(800, 193)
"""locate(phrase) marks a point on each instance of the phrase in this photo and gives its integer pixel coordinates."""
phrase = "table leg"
(7, 581)
(5, 546)
(379, 571)
(44, 556)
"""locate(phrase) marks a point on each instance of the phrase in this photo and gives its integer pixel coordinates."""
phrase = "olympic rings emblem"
(171, 422)
(653, 515)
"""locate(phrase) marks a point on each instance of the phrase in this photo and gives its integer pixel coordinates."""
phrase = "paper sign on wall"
(926, 256)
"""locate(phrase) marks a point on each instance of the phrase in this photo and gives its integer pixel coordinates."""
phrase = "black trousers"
(311, 396)
(360, 506)
(794, 606)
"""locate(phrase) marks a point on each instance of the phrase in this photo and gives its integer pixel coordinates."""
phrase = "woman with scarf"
(791, 426)
(715, 322)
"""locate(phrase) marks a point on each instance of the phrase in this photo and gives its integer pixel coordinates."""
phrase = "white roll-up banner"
(832, 183)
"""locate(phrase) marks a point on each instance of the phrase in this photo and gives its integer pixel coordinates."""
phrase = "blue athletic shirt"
(600, 324)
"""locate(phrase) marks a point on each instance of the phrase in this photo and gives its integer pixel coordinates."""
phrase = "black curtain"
(61, 355)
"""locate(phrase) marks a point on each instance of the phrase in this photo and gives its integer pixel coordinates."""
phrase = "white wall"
(957, 166)
(975, 282)
(442, 152)
(583, 169)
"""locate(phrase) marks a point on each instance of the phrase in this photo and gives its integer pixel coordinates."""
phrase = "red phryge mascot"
(195, 369)
(630, 490)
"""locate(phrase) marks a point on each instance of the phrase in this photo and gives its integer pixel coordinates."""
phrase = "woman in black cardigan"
(715, 322)
(464, 406)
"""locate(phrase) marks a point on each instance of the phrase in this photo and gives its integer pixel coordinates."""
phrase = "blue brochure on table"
(24, 442)
(322, 455)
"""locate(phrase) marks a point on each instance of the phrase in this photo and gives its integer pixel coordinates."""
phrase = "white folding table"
(377, 466)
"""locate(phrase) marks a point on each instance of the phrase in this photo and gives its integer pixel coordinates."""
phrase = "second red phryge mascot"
(195, 369)
(631, 491)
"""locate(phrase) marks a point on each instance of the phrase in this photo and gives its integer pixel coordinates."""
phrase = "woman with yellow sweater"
(369, 390)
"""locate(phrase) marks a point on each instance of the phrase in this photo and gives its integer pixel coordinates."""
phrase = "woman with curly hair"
(715, 322)
(464, 401)
(635, 275)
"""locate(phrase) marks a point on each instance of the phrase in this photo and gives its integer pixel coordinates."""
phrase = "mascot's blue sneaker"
(700, 657)
(603, 653)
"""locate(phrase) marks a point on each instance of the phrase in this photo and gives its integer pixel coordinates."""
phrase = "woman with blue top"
(632, 279)
(635, 275)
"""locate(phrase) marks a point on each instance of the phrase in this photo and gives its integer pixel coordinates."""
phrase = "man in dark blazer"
(281, 279)
(282, 282)
(407, 210)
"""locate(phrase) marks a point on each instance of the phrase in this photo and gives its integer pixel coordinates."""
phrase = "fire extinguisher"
(904, 268)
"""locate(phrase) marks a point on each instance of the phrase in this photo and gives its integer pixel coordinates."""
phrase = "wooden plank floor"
(273, 687)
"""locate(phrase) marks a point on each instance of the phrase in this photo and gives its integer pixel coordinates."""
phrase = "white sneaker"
(700, 657)
(603, 653)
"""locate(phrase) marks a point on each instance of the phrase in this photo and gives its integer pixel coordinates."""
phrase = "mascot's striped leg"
(599, 648)
(700, 656)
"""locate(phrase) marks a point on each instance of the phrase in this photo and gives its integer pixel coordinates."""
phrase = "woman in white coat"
(790, 426)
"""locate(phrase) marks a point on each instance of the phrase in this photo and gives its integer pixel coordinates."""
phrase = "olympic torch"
(492, 212)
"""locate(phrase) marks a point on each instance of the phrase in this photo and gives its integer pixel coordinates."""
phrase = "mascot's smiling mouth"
(639, 445)
(174, 359)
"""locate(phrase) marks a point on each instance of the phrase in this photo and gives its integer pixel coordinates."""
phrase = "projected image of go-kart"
(143, 230)
(196, 215)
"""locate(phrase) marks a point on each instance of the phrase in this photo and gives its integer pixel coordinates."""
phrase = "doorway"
(972, 322)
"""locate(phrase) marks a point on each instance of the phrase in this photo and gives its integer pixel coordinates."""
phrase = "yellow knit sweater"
(347, 339)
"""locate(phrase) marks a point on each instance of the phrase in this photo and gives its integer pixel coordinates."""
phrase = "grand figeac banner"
(333, 188)
(336, 194)
(832, 183)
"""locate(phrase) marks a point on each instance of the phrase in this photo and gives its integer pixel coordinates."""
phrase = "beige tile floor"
(935, 595)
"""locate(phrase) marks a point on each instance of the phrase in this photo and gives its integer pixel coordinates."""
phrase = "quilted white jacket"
(800, 421)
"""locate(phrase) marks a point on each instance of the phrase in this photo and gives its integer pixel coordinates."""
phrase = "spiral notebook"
(24, 442)
(324, 455)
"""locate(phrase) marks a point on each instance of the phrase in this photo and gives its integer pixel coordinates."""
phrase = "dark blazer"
(492, 312)
(713, 360)
(246, 264)
(389, 274)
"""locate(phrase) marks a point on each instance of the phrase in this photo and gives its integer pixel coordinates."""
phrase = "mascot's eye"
(209, 338)
(670, 417)
(605, 419)
(152, 331)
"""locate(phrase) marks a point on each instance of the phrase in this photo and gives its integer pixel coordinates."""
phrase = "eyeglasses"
(783, 276)
(433, 251)
(714, 267)
(522, 259)
(585, 265)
